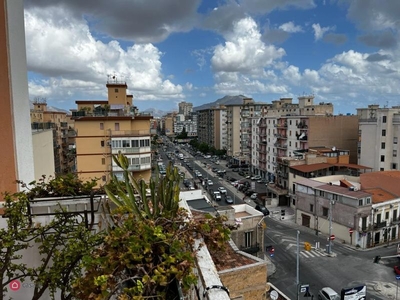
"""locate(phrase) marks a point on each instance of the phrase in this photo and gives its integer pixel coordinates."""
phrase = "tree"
(62, 242)
(149, 242)
(14, 238)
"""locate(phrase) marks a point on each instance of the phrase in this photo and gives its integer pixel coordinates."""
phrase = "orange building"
(105, 128)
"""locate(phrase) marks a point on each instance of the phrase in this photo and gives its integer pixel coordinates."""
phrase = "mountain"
(222, 101)
(51, 108)
(156, 113)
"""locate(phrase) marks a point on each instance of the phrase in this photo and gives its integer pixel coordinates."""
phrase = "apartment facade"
(379, 134)
(239, 118)
(185, 108)
(212, 127)
(105, 128)
(16, 160)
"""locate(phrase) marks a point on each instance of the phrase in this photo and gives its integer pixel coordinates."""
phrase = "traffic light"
(377, 259)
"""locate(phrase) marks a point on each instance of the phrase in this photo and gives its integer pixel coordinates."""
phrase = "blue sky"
(343, 51)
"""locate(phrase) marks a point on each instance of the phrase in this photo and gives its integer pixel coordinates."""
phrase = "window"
(384, 119)
(104, 178)
(382, 145)
(382, 158)
(394, 166)
(360, 202)
(101, 126)
(381, 169)
(395, 140)
(248, 236)
(311, 207)
(135, 143)
(383, 132)
(394, 153)
(394, 217)
(116, 126)
(325, 211)
(368, 200)
(126, 143)
(322, 193)
(103, 161)
(387, 215)
(102, 143)
(116, 90)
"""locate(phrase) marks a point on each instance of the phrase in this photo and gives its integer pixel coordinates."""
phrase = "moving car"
(228, 199)
(262, 209)
(209, 182)
(257, 177)
(222, 190)
(328, 293)
(217, 196)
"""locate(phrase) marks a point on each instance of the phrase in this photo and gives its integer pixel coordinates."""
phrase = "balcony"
(396, 220)
(302, 126)
(115, 133)
(132, 150)
(133, 168)
(380, 225)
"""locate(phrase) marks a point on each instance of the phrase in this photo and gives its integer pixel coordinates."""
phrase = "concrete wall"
(43, 153)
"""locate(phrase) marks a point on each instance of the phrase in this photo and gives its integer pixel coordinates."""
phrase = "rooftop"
(386, 180)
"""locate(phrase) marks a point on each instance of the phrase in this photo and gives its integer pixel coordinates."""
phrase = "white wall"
(43, 153)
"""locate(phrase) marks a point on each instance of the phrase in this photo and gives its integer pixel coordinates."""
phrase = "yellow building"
(107, 127)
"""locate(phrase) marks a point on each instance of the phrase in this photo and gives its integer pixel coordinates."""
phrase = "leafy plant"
(149, 242)
(61, 185)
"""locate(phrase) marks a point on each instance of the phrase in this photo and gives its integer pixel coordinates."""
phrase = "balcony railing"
(130, 132)
(115, 150)
(380, 225)
(132, 168)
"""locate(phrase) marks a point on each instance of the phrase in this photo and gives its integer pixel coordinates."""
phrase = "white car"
(222, 190)
(257, 177)
(209, 182)
(253, 196)
(328, 294)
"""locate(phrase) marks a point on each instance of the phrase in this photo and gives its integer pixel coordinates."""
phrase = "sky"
(346, 52)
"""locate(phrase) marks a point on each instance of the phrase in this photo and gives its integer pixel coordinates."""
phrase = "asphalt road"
(348, 268)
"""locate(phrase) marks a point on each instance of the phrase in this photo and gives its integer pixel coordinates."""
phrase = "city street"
(348, 268)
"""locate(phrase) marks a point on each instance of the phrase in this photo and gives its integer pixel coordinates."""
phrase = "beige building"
(239, 118)
(379, 134)
(16, 161)
(212, 127)
(43, 153)
(168, 124)
(105, 128)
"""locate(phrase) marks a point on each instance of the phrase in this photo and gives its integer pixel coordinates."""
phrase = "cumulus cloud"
(244, 51)
(291, 27)
(385, 39)
(320, 31)
(72, 59)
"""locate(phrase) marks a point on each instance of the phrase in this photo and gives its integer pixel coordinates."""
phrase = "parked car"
(270, 249)
(328, 293)
(228, 199)
(248, 193)
(262, 209)
(214, 169)
(262, 181)
(253, 196)
(241, 173)
(209, 182)
(257, 177)
(235, 170)
(397, 270)
(217, 196)
(222, 190)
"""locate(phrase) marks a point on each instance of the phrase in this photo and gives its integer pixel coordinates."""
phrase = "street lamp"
(331, 202)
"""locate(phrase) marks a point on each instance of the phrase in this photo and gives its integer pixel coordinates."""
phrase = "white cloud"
(290, 27)
(72, 59)
(320, 31)
(244, 51)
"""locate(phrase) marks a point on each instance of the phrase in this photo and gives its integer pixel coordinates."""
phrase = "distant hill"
(222, 101)
(156, 113)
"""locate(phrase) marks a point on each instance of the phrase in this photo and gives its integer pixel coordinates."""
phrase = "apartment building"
(212, 127)
(105, 128)
(289, 130)
(185, 108)
(63, 135)
(239, 118)
(379, 134)
(168, 124)
(16, 160)
(364, 210)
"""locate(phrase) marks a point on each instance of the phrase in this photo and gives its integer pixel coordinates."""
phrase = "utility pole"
(330, 228)
(298, 264)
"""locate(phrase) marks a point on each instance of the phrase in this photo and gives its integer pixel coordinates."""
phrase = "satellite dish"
(333, 148)
(274, 295)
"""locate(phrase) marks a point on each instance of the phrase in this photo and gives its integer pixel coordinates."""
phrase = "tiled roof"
(386, 180)
(380, 195)
(311, 168)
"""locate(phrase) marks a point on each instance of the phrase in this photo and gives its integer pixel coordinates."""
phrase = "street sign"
(332, 237)
(397, 277)
(351, 230)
